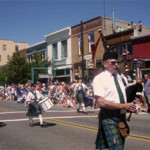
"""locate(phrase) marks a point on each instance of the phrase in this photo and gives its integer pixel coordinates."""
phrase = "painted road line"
(73, 124)
(63, 117)
(138, 137)
(4, 109)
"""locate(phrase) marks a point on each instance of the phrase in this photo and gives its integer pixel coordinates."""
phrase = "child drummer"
(33, 108)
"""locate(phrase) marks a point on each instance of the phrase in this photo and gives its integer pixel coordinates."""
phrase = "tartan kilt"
(108, 135)
(33, 110)
(80, 97)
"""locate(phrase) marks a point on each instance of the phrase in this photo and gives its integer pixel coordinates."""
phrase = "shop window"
(60, 72)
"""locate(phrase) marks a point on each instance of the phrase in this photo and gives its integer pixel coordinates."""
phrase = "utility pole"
(82, 51)
(113, 14)
(104, 17)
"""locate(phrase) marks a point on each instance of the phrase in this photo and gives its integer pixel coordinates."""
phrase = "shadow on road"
(45, 124)
(2, 124)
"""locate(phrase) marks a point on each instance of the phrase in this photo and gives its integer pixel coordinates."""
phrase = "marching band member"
(80, 94)
(111, 98)
(33, 108)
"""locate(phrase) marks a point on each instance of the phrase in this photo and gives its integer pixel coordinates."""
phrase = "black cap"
(110, 55)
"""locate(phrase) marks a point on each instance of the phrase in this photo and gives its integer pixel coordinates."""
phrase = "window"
(79, 44)
(119, 51)
(91, 41)
(16, 48)
(128, 48)
(4, 47)
(64, 52)
(121, 48)
(54, 52)
(0, 57)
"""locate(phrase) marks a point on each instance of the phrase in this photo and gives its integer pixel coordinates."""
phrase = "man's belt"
(112, 113)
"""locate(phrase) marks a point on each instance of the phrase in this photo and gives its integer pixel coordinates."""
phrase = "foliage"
(18, 70)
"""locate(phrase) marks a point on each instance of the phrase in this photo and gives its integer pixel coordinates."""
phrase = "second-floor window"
(123, 48)
(16, 48)
(54, 51)
(79, 44)
(4, 47)
(64, 52)
(91, 41)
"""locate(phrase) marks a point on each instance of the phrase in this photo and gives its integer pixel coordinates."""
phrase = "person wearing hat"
(112, 100)
(33, 108)
(80, 88)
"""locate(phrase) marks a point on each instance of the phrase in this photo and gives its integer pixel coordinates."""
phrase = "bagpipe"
(133, 88)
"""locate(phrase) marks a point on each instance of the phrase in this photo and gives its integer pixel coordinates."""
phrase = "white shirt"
(104, 86)
(31, 96)
(81, 86)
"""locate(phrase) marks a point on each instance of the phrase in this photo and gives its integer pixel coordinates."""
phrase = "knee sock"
(41, 119)
(31, 120)
(83, 106)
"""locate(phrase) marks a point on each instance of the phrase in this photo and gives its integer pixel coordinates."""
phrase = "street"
(66, 129)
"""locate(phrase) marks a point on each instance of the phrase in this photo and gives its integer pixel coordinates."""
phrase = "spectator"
(147, 91)
(140, 27)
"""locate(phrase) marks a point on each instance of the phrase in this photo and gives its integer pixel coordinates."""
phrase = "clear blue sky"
(29, 20)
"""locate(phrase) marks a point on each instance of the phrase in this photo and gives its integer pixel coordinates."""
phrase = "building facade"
(8, 47)
(40, 47)
(59, 52)
(135, 46)
(141, 51)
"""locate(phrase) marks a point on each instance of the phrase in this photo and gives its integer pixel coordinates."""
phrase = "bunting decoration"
(96, 71)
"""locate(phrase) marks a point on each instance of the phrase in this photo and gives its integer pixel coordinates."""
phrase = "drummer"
(33, 108)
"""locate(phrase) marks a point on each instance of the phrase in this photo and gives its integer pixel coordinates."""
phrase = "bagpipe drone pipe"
(133, 88)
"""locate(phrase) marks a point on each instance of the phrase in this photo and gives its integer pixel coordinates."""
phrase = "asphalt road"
(66, 129)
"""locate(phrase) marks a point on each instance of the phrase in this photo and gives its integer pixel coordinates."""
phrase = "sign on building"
(89, 64)
(44, 76)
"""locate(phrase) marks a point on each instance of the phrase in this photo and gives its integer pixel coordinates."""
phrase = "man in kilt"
(111, 98)
(33, 108)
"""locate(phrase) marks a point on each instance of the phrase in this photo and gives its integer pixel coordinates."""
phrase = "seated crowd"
(60, 93)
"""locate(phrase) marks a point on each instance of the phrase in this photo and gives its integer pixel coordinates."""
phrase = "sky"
(30, 20)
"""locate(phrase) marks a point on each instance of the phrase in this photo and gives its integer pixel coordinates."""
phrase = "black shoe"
(78, 110)
(43, 126)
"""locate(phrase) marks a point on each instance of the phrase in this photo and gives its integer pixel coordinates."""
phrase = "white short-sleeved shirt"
(104, 86)
(31, 96)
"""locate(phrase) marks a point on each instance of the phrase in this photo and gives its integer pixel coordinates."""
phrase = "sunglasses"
(114, 62)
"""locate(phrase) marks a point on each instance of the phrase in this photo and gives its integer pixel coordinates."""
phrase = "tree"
(18, 70)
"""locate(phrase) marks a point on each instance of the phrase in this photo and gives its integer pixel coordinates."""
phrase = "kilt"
(108, 135)
(33, 110)
(80, 97)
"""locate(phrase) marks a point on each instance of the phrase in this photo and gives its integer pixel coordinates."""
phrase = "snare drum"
(46, 104)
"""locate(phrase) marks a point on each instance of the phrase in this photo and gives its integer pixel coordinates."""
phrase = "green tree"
(18, 70)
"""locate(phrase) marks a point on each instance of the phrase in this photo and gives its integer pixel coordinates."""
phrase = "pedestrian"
(33, 108)
(147, 91)
(111, 98)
